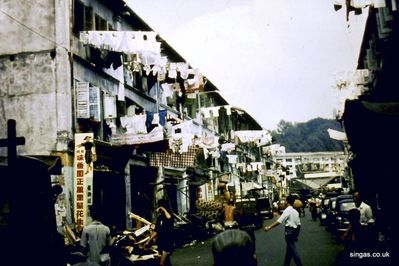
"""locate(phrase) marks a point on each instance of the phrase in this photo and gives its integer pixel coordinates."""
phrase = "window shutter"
(109, 106)
(78, 17)
(88, 18)
(82, 98)
(101, 24)
(94, 104)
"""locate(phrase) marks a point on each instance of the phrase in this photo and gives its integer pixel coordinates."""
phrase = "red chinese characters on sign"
(79, 206)
(79, 223)
(80, 173)
(79, 190)
(83, 175)
(79, 213)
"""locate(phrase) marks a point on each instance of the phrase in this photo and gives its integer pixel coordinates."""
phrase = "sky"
(274, 59)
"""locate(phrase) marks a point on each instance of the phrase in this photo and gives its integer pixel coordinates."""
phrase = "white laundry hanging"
(378, 3)
(129, 42)
(215, 111)
(155, 119)
(172, 71)
(134, 124)
(183, 69)
(121, 92)
(228, 109)
(167, 89)
(96, 39)
(123, 44)
(228, 147)
(233, 159)
(206, 112)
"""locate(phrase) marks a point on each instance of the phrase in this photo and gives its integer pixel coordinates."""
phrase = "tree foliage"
(311, 136)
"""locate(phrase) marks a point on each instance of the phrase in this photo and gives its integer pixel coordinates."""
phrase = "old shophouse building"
(159, 128)
(370, 112)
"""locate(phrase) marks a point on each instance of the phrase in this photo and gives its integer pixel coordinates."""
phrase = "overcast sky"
(275, 59)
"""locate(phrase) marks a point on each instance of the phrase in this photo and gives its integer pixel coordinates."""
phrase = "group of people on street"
(230, 247)
(236, 246)
(96, 239)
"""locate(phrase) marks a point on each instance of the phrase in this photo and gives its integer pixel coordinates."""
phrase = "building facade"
(93, 70)
(370, 114)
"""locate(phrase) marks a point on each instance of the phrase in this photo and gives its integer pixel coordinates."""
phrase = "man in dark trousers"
(292, 224)
(164, 232)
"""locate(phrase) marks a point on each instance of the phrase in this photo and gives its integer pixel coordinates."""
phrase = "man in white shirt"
(366, 214)
(292, 223)
(366, 220)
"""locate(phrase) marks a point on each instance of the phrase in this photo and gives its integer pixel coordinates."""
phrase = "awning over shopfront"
(245, 186)
(155, 135)
(197, 176)
(296, 185)
(53, 163)
(171, 159)
(337, 135)
(372, 126)
(112, 157)
(372, 130)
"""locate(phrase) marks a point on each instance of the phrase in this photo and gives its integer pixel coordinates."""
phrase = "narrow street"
(126, 124)
(316, 247)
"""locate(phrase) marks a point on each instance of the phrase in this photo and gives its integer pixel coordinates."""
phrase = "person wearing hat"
(233, 247)
(88, 144)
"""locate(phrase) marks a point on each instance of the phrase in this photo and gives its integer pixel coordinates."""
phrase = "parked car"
(330, 220)
(342, 216)
(333, 210)
(342, 197)
(265, 207)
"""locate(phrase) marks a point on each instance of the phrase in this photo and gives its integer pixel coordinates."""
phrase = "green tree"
(310, 136)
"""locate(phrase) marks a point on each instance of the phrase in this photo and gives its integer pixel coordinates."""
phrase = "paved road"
(315, 245)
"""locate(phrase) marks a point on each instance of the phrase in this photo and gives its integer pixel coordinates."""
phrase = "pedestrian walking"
(96, 240)
(233, 247)
(292, 224)
(164, 232)
(313, 209)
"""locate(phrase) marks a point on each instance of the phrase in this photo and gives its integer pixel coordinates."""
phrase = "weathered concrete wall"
(27, 26)
(63, 74)
(27, 95)
(35, 81)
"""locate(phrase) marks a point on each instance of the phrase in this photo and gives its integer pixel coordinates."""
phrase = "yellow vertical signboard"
(83, 177)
